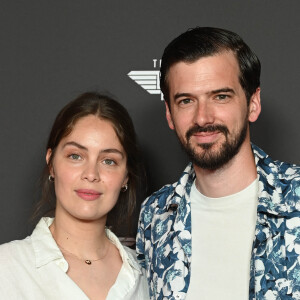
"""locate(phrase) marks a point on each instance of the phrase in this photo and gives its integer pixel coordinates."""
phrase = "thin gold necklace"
(87, 261)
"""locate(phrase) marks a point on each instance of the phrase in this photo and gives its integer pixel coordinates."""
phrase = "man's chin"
(199, 149)
(206, 156)
(206, 146)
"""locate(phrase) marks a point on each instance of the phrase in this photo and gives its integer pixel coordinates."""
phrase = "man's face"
(208, 109)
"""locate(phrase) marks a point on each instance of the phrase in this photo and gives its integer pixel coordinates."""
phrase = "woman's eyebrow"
(75, 144)
(112, 150)
(108, 150)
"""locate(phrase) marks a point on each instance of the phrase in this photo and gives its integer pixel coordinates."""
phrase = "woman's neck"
(84, 239)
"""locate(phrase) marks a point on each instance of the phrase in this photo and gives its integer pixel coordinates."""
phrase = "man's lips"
(206, 137)
(205, 133)
(87, 194)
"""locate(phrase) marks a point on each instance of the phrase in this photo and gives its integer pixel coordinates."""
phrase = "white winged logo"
(148, 80)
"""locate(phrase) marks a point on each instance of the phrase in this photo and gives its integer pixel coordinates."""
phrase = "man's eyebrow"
(180, 95)
(222, 90)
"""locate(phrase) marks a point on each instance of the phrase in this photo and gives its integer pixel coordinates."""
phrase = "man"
(230, 227)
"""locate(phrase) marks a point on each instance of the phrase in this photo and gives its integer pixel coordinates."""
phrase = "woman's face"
(89, 169)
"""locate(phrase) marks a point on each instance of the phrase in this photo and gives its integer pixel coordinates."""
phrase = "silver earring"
(51, 178)
(124, 188)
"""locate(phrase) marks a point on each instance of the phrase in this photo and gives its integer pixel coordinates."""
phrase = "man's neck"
(233, 177)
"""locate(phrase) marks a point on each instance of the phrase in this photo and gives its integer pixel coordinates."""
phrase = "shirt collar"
(126, 256)
(271, 183)
(181, 187)
(270, 189)
(45, 247)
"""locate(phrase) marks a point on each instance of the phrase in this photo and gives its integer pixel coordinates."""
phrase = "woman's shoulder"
(17, 259)
(16, 251)
(27, 247)
(16, 246)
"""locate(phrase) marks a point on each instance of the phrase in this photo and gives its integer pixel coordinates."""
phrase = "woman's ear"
(254, 106)
(48, 156)
(125, 180)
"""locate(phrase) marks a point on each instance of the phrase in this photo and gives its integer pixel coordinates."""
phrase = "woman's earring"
(123, 188)
(51, 178)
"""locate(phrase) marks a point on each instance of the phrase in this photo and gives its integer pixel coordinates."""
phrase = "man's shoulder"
(289, 180)
(285, 172)
(159, 196)
(288, 170)
(279, 185)
(280, 169)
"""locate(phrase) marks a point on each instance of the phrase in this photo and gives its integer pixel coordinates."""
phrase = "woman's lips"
(88, 195)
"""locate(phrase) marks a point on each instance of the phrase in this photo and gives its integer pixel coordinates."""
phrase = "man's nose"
(203, 114)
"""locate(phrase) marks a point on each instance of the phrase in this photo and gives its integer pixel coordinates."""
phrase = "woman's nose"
(91, 172)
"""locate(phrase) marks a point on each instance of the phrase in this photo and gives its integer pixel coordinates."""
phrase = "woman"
(92, 170)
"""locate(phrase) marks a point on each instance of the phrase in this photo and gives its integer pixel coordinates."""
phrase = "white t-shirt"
(34, 268)
(222, 237)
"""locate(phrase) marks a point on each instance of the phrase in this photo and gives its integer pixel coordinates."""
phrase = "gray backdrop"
(53, 50)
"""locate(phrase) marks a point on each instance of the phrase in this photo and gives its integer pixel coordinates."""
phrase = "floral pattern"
(164, 235)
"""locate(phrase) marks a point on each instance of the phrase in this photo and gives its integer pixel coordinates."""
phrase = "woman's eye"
(75, 156)
(109, 162)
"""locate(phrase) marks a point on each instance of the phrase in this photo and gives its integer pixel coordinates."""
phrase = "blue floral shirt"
(164, 235)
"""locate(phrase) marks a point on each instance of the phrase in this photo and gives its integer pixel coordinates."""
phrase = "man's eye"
(222, 97)
(109, 162)
(185, 101)
(75, 156)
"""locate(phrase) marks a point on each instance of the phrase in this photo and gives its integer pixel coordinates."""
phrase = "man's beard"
(214, 159)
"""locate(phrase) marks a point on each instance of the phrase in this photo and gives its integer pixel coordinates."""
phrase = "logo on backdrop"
(148, 79)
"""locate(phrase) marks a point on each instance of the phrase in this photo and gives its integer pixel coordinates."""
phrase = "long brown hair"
(108, 109)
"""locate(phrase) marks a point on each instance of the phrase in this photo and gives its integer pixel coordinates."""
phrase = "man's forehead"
(225, 56)
(207, 72)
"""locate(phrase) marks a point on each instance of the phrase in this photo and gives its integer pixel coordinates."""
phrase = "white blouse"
(34, 268)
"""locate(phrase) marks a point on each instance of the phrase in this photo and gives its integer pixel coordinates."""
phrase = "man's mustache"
(209, 128)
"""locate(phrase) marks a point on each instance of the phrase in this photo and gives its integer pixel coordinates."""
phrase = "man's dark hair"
(207, 41)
